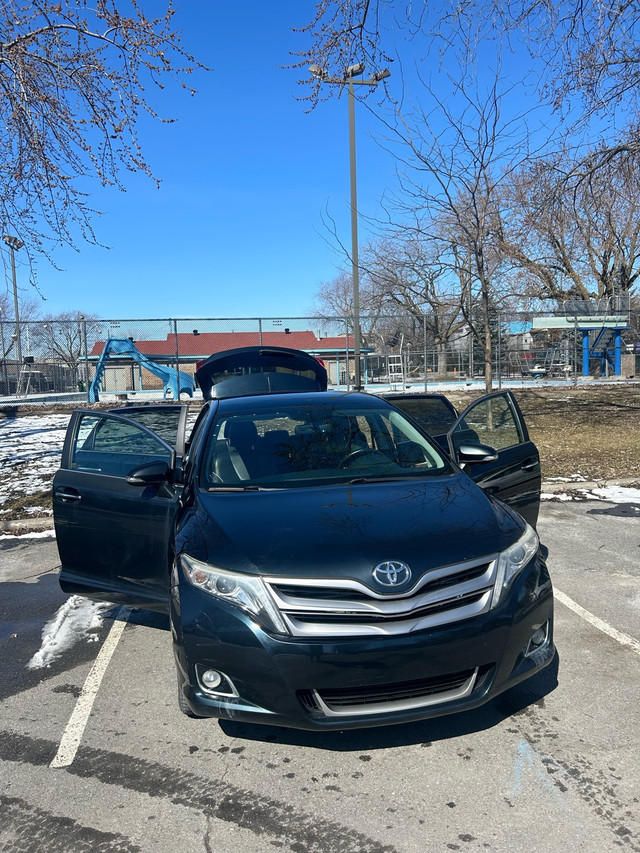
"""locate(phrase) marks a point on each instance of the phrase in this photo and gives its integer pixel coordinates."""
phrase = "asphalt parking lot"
(550, 766)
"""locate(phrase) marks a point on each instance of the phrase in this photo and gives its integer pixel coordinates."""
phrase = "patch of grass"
(18, 505)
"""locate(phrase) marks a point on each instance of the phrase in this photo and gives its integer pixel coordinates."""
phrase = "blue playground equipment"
(601, 324)
(119, 347)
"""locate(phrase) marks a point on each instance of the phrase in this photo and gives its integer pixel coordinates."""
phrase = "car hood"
(344, 531)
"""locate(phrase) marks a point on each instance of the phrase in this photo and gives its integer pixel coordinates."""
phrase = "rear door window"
(107, 444)
(435, 414)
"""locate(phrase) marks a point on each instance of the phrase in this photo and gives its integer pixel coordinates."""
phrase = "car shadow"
(148, 619)
(520, 700)
(627, 510)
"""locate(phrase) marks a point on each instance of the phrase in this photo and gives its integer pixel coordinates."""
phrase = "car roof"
(345, 399)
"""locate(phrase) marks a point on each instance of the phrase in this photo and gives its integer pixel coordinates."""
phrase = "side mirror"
(476, 453)
(149, 474)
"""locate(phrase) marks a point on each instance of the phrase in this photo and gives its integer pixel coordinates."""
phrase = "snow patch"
(78, 619)
(559, 496)
(30, 450)
(36, 534)
(611, 494)
(617, 494)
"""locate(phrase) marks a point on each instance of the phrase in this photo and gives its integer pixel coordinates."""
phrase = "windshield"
(316, 444)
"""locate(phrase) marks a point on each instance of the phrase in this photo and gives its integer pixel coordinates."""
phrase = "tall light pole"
(348, 80)
(14, 244)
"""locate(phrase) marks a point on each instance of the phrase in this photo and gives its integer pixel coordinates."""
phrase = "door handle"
(530, 466)
(71, 495)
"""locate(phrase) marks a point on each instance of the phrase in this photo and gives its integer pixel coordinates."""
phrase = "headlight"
(513, 560)
(247, 592)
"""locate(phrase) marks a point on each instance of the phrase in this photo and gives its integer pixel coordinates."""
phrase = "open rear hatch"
(248, 371)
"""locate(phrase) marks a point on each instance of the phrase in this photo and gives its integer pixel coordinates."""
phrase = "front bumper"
(357, 682)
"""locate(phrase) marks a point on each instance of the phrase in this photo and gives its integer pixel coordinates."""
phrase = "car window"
(434, 414)
(109, 445)
(297, 445)
(163, 420)
(490, 421)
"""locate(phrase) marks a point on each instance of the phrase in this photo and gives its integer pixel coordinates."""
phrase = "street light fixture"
(15, 244)
(348, 80)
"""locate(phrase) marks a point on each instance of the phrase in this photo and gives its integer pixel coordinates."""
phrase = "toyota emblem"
(392, 573)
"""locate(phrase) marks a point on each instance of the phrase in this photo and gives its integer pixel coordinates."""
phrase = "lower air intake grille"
(404, 695)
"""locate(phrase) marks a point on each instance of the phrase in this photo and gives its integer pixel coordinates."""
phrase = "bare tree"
(74, 80)
(583, 55)
(334, 299)
(573, 238)
(67, 337)
(460, 153)
(29, 310)
(409, 275)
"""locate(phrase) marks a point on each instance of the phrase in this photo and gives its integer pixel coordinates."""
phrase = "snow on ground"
(30, 449)
(78, 619)
(611, 494)
(35, 534)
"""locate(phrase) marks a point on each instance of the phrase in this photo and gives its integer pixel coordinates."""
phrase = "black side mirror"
(475, 453)
(149, 474)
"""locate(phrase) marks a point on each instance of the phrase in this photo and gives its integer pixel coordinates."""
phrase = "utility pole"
(348, 81)
(14, 244)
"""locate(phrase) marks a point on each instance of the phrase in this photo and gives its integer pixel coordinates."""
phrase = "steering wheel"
(358, 454)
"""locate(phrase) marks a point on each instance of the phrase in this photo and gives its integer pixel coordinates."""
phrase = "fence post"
(347, 373)
(499, 351)
(4, 359)
(175, 337)
(86, 359)
(424, 348)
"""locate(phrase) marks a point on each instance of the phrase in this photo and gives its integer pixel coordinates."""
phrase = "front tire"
(184, 706)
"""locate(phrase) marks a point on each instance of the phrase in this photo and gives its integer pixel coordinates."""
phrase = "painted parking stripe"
(74, 730)
(600, 624)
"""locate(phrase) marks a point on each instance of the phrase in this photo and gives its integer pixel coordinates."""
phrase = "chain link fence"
(161, 356)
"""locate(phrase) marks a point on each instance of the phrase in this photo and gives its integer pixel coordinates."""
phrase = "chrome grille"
(330, 607)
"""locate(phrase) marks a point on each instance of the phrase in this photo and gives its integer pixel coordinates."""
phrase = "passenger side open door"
(515, 476)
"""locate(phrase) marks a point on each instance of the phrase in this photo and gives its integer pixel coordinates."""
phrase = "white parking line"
(600, 624)
(74, 730)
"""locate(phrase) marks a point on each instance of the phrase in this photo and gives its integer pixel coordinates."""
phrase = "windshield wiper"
(235, 489)
(358, 480)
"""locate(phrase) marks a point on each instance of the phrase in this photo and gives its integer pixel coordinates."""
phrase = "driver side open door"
(114, 530)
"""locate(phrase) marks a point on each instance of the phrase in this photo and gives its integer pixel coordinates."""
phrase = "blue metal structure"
(606, 347)
(601, 323)
(173, 380)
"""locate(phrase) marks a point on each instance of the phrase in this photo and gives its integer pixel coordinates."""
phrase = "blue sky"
(236, 227)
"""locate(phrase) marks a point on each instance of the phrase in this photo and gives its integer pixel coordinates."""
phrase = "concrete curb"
(45, 523)
(586, 485)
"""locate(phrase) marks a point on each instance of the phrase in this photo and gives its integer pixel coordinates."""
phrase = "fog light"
(538, 639)
(211, 679)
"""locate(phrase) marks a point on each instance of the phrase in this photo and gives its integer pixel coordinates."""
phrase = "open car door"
(515, 476)
(115, 498)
